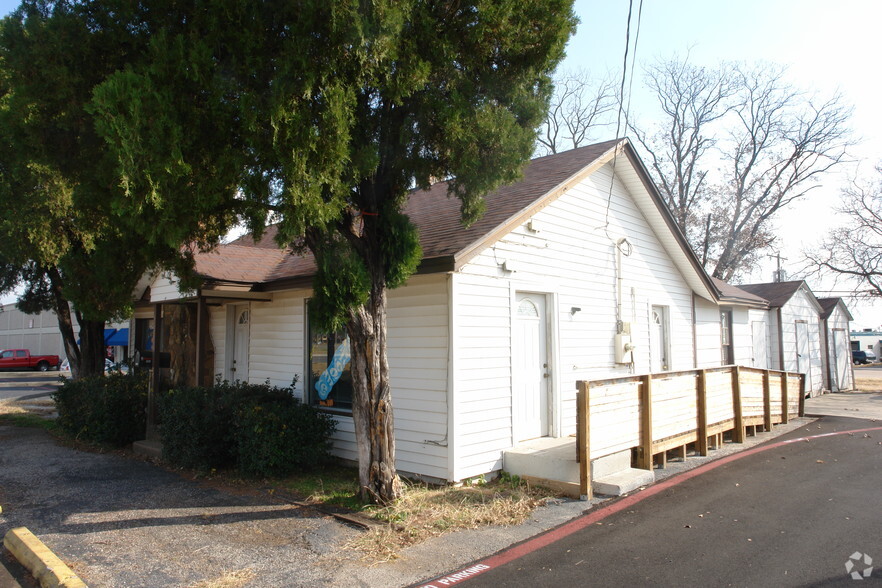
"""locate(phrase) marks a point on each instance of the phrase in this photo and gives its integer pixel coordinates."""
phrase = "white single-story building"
(576, 272)
(795, 326)
(837, 348)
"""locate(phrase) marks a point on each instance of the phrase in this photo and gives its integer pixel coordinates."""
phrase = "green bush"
(282, 436)
(260, 429)
(109, 409)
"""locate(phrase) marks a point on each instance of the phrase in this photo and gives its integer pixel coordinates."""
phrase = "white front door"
(241, 335)
(803, 357)
(659, 339)
(531, 370)
(760, 354)
(841, 361)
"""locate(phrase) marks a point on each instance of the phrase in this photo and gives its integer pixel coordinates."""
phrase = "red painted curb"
(579, 523)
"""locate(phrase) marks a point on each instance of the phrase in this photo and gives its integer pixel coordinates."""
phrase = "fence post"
(701, 390)
(785, 404)
(645, 459)
(737, 408)
(583, 437)
(767, 401)
(801, 394)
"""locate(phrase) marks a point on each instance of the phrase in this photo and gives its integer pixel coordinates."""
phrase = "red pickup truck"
(21, 359)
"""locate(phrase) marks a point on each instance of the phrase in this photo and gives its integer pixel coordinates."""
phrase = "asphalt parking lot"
(121, 521)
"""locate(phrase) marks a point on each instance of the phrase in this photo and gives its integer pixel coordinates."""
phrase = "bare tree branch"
(853, 251)
(691, 99)
(581, 104)
(782, 143)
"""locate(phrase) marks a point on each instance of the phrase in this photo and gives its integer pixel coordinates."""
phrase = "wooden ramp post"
(767, 401)
(801, 395)
(737, 407)
(785, 404)
(644, 460)
(583, 437)
(701, 391)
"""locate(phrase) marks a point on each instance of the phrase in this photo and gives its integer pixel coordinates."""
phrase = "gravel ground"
(119, 521)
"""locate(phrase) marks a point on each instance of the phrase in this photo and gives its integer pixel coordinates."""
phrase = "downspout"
(451, 381)
(619, 279)
(825, 330)
(780, 342)
(694, 336)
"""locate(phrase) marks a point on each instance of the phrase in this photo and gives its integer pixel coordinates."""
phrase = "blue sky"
(828, 46)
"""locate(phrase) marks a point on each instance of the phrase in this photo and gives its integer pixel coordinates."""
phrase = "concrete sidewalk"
(859, 405)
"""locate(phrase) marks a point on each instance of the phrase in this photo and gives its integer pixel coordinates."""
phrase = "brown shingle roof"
(235, 263)
(828, 304)
(777, 293)
(730, 293)
(435, 214)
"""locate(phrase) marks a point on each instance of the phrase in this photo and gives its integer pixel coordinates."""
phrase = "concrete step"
(555, 459)
(148, 447)
(622, 482)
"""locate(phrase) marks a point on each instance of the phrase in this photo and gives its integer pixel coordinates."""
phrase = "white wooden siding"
(276, 348)
(707, 334)
(418, 359)
(166, 287)
(572, 260)
(742, 336)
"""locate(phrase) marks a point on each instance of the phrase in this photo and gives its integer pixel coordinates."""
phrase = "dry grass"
(233, 579)
(866, 381)
(35, 406)
(425, 512)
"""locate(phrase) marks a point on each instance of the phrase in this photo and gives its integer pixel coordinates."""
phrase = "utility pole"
(779, 273)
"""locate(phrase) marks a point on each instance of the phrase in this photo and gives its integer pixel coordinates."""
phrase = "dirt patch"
(867, 381)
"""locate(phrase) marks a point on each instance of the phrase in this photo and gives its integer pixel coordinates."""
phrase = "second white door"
(531, 371)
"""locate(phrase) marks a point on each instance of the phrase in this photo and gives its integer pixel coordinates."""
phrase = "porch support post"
(155, 376)
(738, 433)
(785, 408)
(201, 337)
(701, 391)
(801, 394)
(583, 425)
(644, 460)
(767, 401)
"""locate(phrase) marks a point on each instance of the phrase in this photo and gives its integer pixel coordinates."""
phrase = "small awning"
(120, 337)
(108, 335)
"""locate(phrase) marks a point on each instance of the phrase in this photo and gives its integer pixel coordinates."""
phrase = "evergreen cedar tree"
(61, 237)
(320, 116)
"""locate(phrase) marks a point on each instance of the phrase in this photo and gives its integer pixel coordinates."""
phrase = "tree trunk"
(181, 321)
(372, 403)
(91, 347)
(65, 323)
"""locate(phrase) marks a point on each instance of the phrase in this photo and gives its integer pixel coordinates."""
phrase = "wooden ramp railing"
(657, 412)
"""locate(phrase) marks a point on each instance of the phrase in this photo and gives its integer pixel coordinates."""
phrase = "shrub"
(282, 436)
(109, 409)
(260, 429)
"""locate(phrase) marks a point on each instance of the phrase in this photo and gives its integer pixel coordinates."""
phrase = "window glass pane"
(330, 378)
(527, 308)
(20, 353)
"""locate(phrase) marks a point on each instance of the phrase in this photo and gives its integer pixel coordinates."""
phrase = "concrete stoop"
(554, 459)
(148, 447)
(622, 482)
